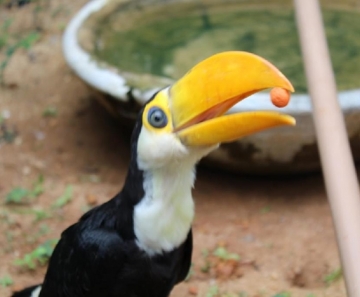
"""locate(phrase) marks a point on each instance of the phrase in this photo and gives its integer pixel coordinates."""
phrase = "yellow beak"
(201, 97)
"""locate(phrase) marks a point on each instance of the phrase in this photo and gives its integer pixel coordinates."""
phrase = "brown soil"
(281, 228)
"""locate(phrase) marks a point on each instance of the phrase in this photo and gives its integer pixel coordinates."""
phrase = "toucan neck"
(163, 218)
(169, 183)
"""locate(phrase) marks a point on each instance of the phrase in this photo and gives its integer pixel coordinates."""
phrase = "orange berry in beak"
(280, 97)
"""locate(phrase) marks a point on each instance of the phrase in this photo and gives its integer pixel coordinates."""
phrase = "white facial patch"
(156, 150)
(163, 218)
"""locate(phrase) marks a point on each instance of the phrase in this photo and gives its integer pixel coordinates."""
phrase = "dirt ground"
(281, 229)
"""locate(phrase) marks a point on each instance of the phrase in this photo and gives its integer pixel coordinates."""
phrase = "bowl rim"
(108, 80)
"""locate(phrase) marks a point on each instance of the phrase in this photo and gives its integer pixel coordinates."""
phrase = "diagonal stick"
(337, 163)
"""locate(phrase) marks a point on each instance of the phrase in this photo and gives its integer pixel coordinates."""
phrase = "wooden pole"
(337, 163)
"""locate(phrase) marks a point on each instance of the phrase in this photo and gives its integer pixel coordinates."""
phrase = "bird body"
(93, 259)
(139, 243)
(124, 244)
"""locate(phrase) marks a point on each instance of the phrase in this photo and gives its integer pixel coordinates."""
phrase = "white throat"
(163, 218)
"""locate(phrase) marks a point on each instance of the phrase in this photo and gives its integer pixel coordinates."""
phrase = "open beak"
(201, 97)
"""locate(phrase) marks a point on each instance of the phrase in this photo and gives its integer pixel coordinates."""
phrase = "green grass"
(333, 276)
(9, 48)
(212, 291)
(41, 214)
(223, 254)
(6, 281)
(7, 134)
(17, 195)
(65, 198)
(265, 209)
(39, 256)
(50, 111)
(20, 195)
(10, 43)
(282, 294)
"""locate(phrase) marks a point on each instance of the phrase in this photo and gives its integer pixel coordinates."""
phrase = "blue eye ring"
(157, 117)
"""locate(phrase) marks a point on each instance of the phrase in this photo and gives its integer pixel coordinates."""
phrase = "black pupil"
(157, 117)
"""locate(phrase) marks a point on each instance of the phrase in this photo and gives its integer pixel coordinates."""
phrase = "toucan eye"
(157, 117)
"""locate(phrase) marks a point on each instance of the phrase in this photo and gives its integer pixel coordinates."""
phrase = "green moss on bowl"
(168, 44)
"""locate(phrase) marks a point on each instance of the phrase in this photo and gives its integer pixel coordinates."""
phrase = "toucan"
(139, 243)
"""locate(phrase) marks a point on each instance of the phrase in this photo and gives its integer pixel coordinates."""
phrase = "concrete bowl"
(289, 150)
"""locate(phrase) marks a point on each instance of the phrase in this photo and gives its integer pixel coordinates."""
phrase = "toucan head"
(187, 120)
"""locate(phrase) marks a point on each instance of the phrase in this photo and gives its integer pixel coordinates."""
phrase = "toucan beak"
(200, 98)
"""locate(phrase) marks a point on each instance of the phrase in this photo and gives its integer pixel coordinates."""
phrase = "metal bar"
(337, 163)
